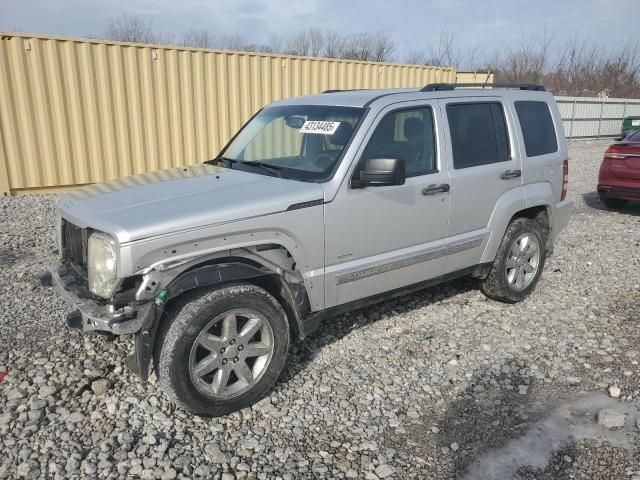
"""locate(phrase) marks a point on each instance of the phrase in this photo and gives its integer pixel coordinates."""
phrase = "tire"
(187, 357)
(501, 284)
(612, 202)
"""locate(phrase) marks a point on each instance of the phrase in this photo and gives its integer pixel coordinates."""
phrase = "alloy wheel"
(231, 353)
(523, 262)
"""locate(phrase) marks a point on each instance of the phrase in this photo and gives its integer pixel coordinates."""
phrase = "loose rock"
(610, 418)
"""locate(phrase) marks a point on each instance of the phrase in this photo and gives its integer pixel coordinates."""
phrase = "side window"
(409, 135)
(537, 128)
(478, 134)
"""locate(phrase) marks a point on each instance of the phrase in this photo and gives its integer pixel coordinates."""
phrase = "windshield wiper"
(274, 169)
(229, 162)
(222, 161)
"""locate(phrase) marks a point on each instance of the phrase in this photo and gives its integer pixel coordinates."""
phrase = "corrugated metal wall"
(593, 117)
(76, 111)
(474, 77)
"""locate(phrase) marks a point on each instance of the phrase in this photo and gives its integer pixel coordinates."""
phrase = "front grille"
(74, 243)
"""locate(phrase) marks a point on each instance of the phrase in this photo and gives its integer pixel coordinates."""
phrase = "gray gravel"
(440, 384)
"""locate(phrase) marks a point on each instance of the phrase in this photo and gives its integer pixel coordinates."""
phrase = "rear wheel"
(222, 350)
(518, 263)
(612, 202)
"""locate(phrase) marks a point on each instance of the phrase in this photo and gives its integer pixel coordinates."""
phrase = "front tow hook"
(74, 319)
(45, 279)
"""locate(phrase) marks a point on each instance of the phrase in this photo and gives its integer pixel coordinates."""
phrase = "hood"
(167, 201)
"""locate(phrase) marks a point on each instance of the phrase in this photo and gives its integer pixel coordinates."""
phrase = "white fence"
(594, 117)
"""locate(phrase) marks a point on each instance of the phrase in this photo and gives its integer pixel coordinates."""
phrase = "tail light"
(614, 151)
(565, 179)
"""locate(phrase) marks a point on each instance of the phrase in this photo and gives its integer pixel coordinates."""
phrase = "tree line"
(573, 67)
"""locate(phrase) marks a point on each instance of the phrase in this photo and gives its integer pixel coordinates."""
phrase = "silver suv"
(318, 205)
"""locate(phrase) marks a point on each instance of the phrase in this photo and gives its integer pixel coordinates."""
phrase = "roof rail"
(343, 90)
(438, 87)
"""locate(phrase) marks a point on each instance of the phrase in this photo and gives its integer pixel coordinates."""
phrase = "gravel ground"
(441, 384)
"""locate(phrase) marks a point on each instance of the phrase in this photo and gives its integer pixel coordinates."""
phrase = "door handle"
(433, 189)
(507, 174)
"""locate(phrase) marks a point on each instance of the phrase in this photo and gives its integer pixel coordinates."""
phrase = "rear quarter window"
(537, 127)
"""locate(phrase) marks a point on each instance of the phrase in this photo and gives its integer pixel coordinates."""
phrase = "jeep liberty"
(318, 205)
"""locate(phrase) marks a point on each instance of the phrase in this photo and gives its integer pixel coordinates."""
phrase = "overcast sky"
(411, 23)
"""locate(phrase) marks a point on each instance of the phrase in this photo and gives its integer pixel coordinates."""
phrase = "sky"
(490, 25)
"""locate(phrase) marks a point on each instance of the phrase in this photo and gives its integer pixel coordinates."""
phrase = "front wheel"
(222, 350)
(518, 263)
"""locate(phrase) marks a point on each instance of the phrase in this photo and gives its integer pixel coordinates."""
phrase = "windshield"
(302, 142)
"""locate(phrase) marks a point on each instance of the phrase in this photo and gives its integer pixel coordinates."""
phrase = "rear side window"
(478, 134)
(537, 128)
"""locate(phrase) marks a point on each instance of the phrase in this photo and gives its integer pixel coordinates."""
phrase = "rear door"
(484, 165)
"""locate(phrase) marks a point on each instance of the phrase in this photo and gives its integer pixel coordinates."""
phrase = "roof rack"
(344, 90)
(438, 87)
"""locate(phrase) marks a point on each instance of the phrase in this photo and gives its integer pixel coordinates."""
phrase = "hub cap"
(523, 262)
(231, 353)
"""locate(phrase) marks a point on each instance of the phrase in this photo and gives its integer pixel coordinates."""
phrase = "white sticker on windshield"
(319, 127)
(635, 123)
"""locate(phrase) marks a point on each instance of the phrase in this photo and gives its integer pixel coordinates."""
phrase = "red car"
(619, 179)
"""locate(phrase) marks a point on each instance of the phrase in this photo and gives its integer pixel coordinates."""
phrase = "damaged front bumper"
(90, 315)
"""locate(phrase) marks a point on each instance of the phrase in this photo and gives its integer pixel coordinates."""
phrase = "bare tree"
(334, 44)
(299, 44)
(376, 47)
(577, 68)
(364, 46)
(275, 44)
(234, 42)
(130, 29)
(444, 53)
(199, 39)
(525, 63)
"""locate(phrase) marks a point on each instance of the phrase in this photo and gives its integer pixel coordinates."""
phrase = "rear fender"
(509, 205)
(541, 195)
(506, 207)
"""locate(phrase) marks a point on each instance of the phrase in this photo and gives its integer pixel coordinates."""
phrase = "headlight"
(101, 268)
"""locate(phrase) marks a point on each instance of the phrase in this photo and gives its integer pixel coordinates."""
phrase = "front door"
(382, 238)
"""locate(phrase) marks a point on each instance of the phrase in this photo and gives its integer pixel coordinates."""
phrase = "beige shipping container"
(76, 111)
(474, 77)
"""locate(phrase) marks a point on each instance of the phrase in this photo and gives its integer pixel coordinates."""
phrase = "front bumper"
(89, 315)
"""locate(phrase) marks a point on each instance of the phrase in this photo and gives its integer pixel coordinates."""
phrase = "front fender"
(211, 275)
(300, 232)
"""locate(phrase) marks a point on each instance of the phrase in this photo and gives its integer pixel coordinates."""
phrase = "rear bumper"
(560, 217)
(625, 193)
(89, 315)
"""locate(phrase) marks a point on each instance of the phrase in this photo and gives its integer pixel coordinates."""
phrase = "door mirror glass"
(380, 172)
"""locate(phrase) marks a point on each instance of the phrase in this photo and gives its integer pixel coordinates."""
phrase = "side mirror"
(380, 172)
